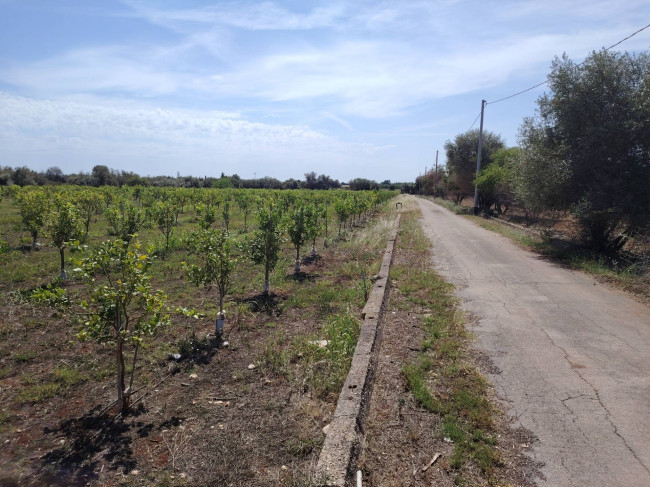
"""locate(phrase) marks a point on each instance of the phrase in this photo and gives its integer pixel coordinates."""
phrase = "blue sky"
(279, 88)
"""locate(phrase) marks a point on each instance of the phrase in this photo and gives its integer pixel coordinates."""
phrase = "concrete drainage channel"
(343, 438)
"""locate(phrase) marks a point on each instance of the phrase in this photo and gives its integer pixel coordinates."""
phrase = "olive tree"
(538, 173)
(461, 159)
(494, 182)
(595, 118)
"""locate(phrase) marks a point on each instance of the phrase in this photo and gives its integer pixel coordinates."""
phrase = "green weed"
(23, 356)
(629, 273)
(38, 393)
(67, 376)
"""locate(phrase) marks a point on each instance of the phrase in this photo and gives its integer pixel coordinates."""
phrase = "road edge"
(344, 434)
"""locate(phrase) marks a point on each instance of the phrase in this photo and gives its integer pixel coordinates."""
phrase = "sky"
(350, 89)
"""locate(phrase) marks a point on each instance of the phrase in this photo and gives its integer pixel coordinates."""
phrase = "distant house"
(345, 186)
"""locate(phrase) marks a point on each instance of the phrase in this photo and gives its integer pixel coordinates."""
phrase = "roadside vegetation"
(580, 172)
(628, 270)
(443, 378)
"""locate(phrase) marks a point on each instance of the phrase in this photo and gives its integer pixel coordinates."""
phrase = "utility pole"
(435, 181)
(478, 159)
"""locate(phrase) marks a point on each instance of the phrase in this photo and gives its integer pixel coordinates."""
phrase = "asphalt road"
(572, 357)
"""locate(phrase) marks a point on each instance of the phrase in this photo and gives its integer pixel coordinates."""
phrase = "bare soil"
(214, 417)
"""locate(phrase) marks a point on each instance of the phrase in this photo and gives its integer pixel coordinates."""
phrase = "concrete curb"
(514, 225)
(343, 439)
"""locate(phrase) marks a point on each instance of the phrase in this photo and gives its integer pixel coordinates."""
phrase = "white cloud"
(382, 79)
(91, 70)
(250, 15)
(128, 138)
(364, 59)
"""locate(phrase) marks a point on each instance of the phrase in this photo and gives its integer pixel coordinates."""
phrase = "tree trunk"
(266, 279)
(135, 359)
(62, 274)
(122, 398)
(87, 223)
(326, 222)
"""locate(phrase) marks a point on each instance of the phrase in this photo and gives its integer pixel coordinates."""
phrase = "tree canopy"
(594, 125)
(461, 159)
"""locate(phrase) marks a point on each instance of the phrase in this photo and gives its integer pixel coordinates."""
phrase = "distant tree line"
(586, 151)
(102, 175)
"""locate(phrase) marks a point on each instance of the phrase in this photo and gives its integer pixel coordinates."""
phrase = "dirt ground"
(217, 416)
(212, 422)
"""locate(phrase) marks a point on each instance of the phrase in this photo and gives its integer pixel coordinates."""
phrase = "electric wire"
(628, 37)
(474, 122)
(544, 82)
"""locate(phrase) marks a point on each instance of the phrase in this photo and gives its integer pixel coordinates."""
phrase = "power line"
(544, 82)
(628, 37)
(517, 94)
(474, 122)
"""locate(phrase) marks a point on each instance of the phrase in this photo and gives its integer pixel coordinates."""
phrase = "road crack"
(608, 415)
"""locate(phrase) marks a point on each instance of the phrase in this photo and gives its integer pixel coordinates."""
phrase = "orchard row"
(120, 307)
(64, 214)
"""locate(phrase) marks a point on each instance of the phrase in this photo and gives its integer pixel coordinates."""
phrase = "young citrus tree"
(163, 214)
(297, 223)
(122, 309)
(342, 209)
(245, 201)
(226, 214)
(89, 202)
(207, 215)
(63, 224)
(34, 205)
(325, 215)
(267, 239)
(124, 220)
(217, 263)
(313, 226)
